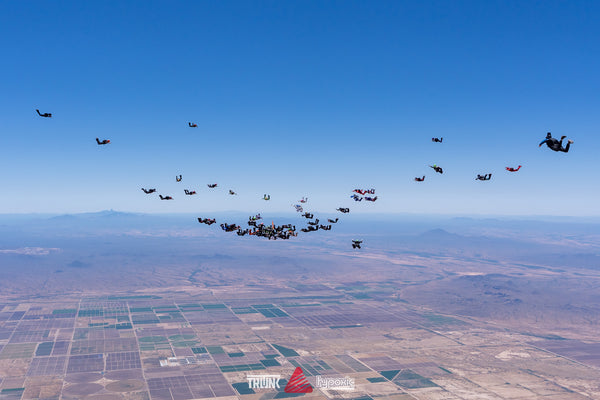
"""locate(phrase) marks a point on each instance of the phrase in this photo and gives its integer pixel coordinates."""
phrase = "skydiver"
(332, 221)
(356, 197)
(304, 200)
(315, 222)
(45, 115)
(437, 140)
(554, 144)
(241, 232)
(229, 228)
(367, 198)
(360, 191)
(267, 197)
(485, 177)
(165, 197)
(307, 215)
(231, 192)
(513, 169)
(179, 178)
(370, 191)
(325, 228)
(192, 125)
(420, 179)
(298, 207)
(189, 193)
(105, 141)
(211, 185)
(356, 244)
(343, 210)
(437, 169)
(148, 191)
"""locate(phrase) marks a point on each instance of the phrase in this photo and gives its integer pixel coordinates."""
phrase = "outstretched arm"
(39, 113)
(542, 142)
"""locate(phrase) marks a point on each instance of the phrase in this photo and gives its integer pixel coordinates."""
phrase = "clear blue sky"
(299, 98)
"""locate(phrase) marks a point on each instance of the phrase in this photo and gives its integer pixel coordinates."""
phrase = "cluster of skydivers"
(288, 230)
(356, 196)
(552, 143)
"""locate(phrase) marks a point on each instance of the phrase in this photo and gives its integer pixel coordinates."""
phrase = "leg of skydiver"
(566, 149)
(97, 140)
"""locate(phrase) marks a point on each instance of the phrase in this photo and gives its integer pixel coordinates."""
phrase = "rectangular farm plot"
(18, 350)
(190, 387)
(29, 336)
(103, 346)
(44, 349)
(125, 360)
(11, 393)
(86, 363)
(41, 366)
(149, 343)
(60, 348)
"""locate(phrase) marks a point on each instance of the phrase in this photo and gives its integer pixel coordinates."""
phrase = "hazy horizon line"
(275, 213)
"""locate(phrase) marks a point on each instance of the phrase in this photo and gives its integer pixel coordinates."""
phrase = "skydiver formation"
(261, 230)
(288, 230)
(45, 115)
